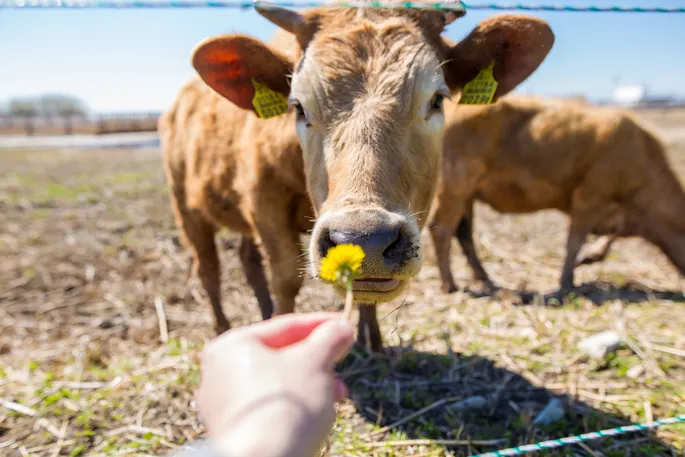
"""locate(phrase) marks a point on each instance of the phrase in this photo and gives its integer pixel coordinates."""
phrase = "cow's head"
(366, 87)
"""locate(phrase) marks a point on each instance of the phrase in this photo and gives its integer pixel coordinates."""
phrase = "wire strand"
(163, 4)
(549, 444)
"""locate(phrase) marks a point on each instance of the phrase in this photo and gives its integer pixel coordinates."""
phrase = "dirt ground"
(90, 254)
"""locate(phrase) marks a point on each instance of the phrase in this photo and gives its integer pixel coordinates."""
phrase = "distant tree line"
(48, 105)
(61, 114)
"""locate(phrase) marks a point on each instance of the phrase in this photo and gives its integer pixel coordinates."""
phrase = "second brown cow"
(523, 154)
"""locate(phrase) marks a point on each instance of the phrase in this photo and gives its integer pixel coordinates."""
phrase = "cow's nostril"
(397, 250)
(325, 243)
(374, 243)
(392, 245)
(339, 237)
(393, 242)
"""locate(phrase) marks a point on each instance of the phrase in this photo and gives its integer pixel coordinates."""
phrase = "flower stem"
(349, 299)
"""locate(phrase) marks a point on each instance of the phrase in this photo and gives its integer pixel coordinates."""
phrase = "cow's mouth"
(375, 285)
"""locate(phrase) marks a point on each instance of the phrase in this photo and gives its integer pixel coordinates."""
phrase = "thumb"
(328, 343)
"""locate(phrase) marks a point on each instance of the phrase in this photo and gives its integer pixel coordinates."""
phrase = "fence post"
(28, 126)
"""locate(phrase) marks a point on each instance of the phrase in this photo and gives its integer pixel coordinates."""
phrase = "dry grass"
(91, 260)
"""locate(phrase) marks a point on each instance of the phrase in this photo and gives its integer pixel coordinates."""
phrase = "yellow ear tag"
(268, 103)
(481, 89)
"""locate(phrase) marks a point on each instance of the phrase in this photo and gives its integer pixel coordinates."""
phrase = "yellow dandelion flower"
(340, 261)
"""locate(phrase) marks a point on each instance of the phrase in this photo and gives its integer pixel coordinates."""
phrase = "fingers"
(340, 390)
(328, 343)
(293, 328)
(280, 331)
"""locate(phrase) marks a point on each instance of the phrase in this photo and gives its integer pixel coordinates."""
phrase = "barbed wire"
(458, 5)
(162, 4)
(576, 9)
(549, 444)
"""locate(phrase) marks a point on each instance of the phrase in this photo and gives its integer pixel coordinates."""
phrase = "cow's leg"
(251, 259)
(368, 330)
(597, 251)
(456, 186)
(280, 243)
(464, 235)
(576, 237)
(197, 234)
(587, 210)
(444, 225)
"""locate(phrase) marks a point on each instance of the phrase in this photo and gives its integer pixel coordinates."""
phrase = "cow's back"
(535, 152)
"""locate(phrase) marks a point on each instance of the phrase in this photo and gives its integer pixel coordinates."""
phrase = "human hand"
(268, 389)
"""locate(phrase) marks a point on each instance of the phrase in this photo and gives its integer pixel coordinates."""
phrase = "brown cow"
(598, 165)
(365, 89)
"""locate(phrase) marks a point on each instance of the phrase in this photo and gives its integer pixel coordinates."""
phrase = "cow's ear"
(245, 71)
(511, 45)
(302, 25)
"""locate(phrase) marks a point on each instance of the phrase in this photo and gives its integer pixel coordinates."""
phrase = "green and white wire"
(145, 4)
(580, 438)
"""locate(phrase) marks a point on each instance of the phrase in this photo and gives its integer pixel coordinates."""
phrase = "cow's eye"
(437, 102)
(301, 115)
(299, 109)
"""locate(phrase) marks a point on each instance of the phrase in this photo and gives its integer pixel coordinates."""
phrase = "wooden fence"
(95, 125)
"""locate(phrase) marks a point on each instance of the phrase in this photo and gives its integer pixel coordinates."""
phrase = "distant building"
(629, 96)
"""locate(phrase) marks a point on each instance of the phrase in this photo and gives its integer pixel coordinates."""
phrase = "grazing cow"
(361, 140)
(523, 154)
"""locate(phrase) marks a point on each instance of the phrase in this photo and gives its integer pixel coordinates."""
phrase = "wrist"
(273, 431)
(231, 446)
(256, 442)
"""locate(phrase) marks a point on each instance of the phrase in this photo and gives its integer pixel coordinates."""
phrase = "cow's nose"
(376, 241)
(387, 245)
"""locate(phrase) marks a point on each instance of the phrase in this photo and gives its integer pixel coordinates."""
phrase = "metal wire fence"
(145, 4)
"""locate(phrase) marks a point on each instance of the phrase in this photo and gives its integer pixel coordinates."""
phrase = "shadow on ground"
(417, 395)
(598, 292)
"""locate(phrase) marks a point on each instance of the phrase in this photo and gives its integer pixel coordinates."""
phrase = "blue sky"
(130, 60)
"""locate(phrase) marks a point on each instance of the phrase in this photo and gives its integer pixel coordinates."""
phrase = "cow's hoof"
(449, 288)
(222, 327)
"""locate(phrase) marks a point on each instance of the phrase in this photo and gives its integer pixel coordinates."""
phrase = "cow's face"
(367, 87)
